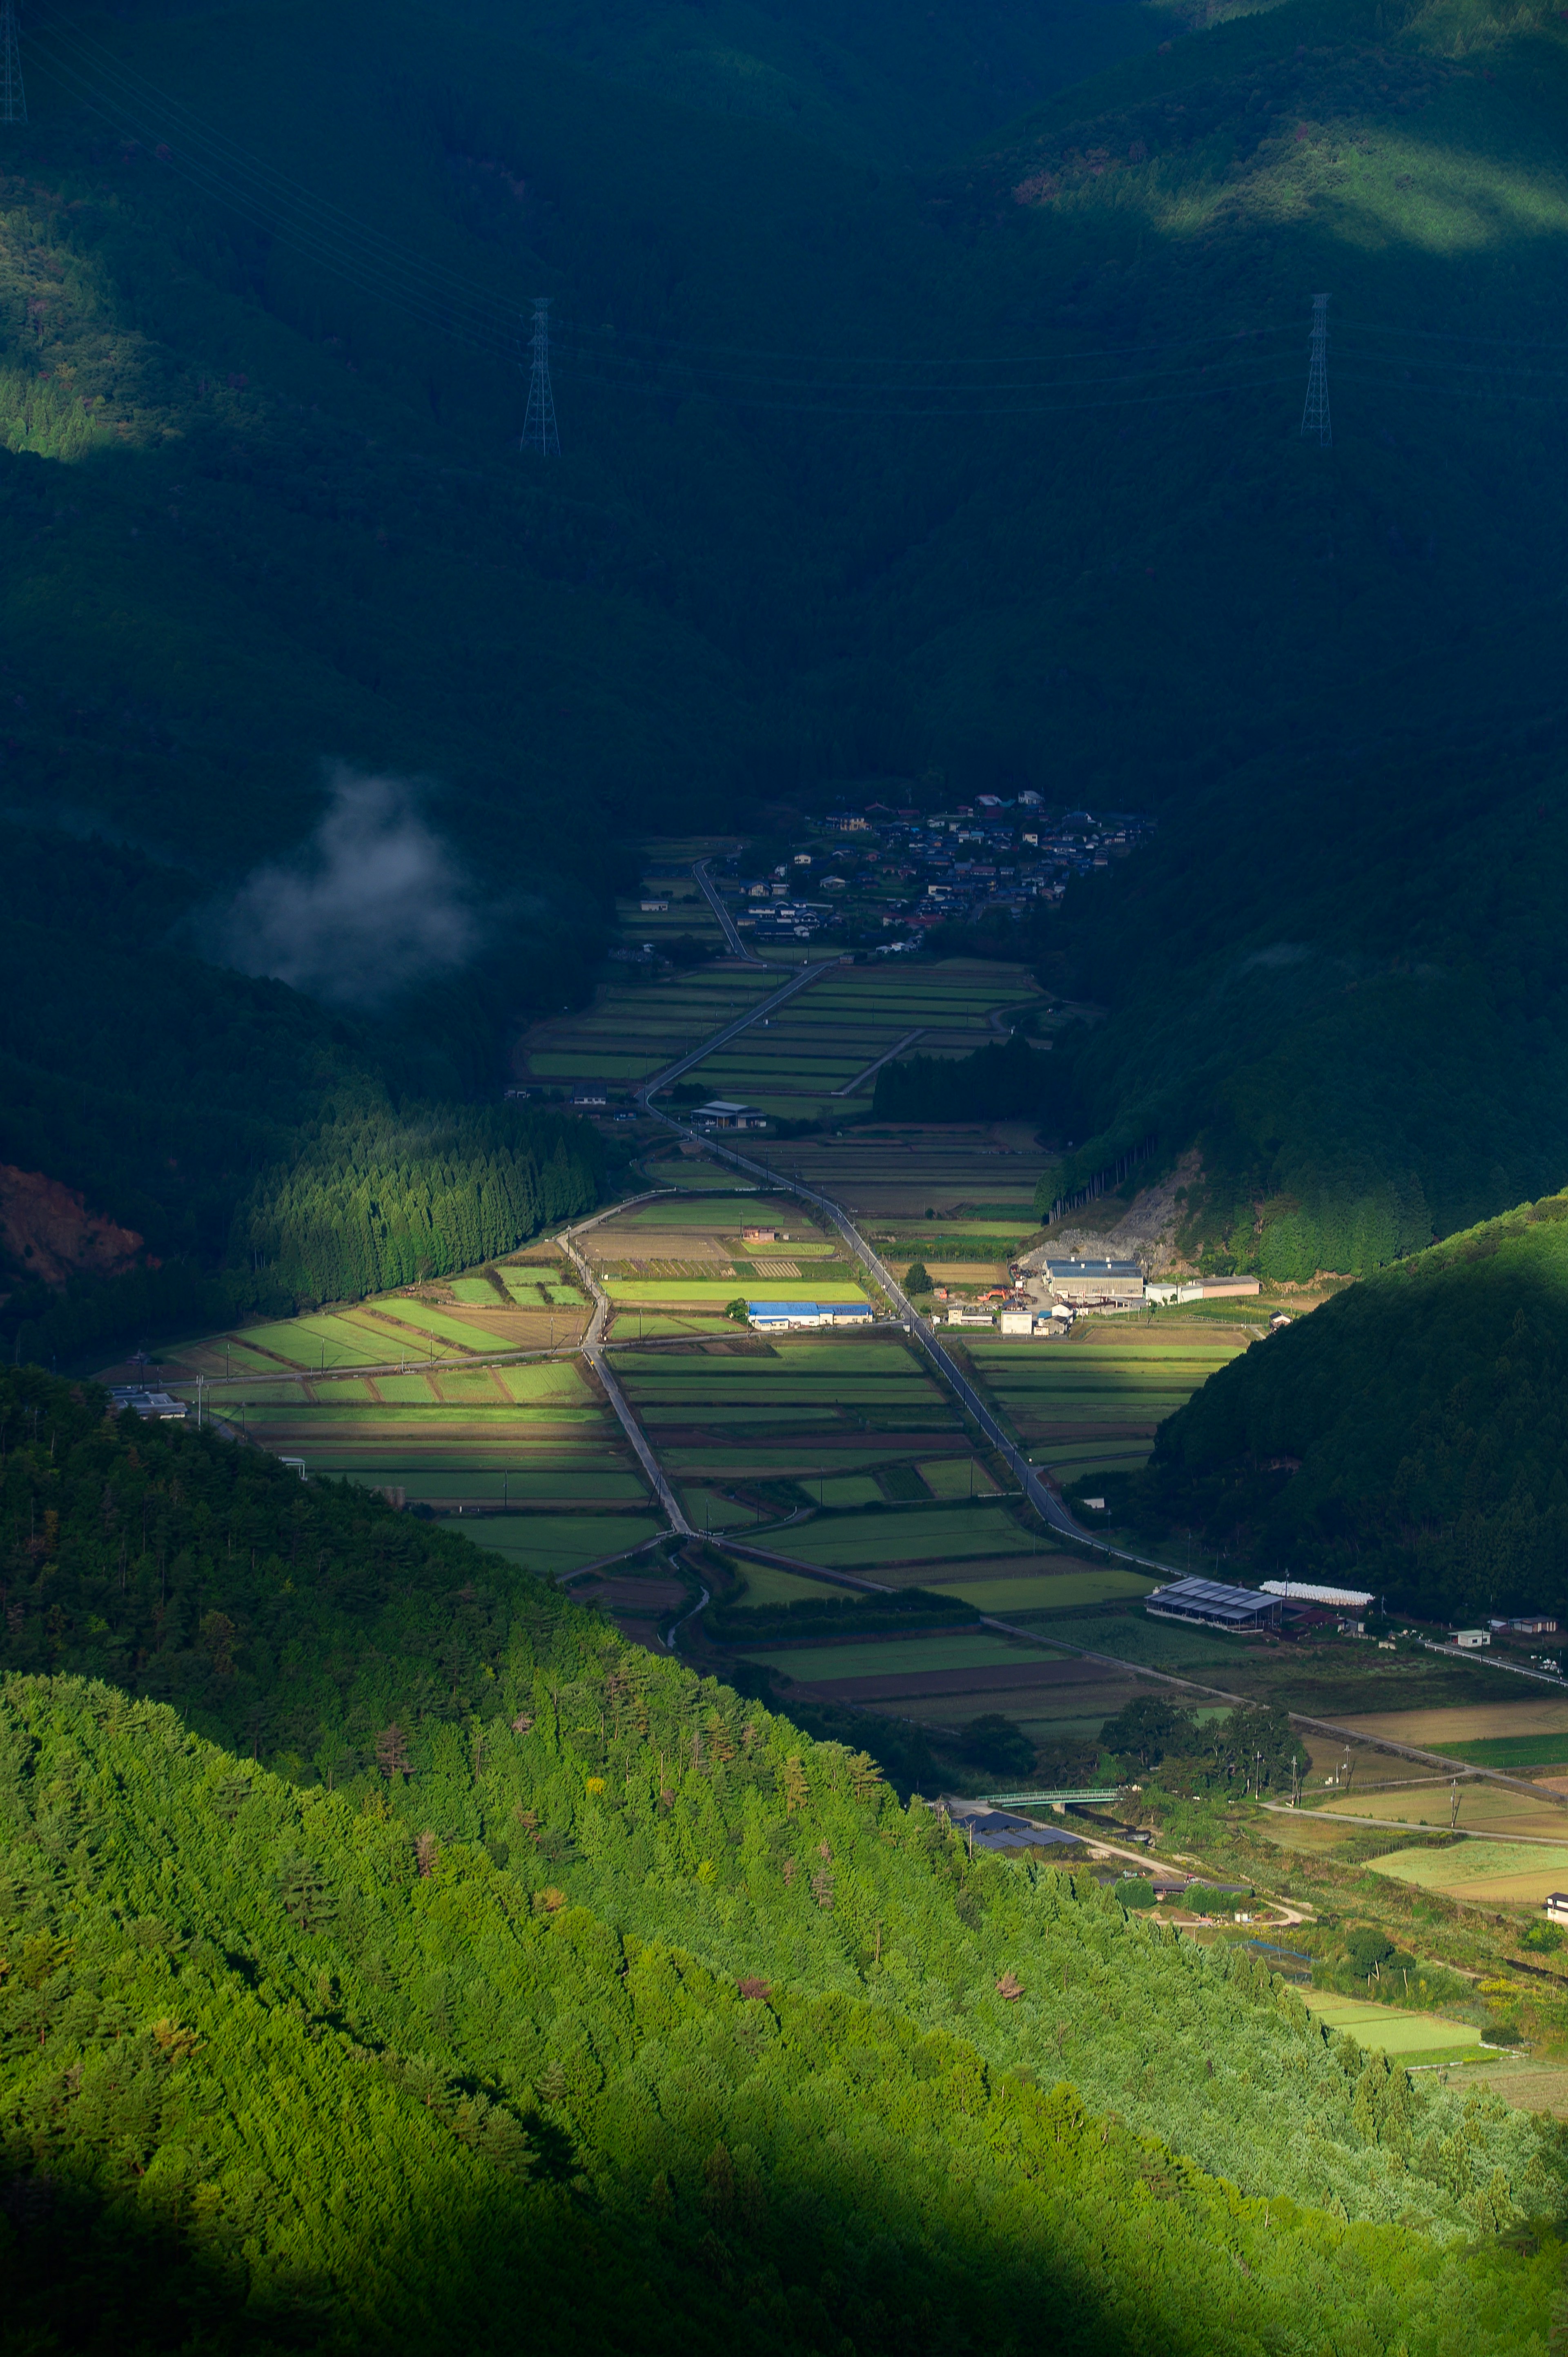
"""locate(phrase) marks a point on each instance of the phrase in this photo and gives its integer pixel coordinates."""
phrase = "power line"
(13, 95)
(1315, 418)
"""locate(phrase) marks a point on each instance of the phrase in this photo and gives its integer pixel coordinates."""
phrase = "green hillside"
(606, 1991)
(1409, 1433)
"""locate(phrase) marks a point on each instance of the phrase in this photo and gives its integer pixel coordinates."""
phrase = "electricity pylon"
(13, 97)
(539, 423)
(1315, 417)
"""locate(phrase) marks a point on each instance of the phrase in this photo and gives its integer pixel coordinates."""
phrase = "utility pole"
(539, 423)
(13, 97)
(1314, 420)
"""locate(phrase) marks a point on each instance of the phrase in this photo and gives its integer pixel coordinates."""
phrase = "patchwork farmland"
(1091, 1403)
(816, 1056)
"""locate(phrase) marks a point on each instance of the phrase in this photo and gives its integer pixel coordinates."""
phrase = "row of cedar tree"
(395, 1955)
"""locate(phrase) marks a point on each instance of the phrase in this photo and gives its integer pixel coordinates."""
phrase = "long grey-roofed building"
(1096, 1280)
(1214, 1607)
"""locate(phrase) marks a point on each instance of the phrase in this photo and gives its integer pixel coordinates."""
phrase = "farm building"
(999, 1829)
(591, 1094)
(1531, 1624)
(963, 1317)
(1095, 1280)
(783, 1315)
(1213, 1606)
(723, 1112)
(764, 1237)
(1471, 1640)
(1555, 1906)
(1351, 1599)
(1215, 1289)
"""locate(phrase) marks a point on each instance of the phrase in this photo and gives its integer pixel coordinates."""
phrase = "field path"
(592, 1348)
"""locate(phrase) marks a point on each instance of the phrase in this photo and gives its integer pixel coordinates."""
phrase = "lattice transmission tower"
(539, 423)
(13, 97)
(1315, 419)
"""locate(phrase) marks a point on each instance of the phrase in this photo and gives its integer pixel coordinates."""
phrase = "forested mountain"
(606, 1993)
(981, 468)
(1409, 1435)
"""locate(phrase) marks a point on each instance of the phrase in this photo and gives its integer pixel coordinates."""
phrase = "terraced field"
(636, 1026)
(891, 1177)
(809, 1059)
(1092, 1404)
(533, 1308)
(1387, 2029)
(772, 1423)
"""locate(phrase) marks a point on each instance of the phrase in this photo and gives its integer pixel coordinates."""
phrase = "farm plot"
(396, 1327)
(1519, 1874)
(1387, 2029)
(957, 1171)
(745, 1417)
(1092, 1402)
(911, 1542)
(1027, 1590)
(1483, 1808)
(634, 1027)
(806, 1060)
(1442, 1730)
(467, 1442)
(552, 1543)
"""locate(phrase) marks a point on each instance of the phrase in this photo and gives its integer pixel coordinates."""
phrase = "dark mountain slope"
(1423, 1408)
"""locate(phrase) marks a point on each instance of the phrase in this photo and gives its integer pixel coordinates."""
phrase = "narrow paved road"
(714, 899)
(908, 1040)
(673, 1072)
(593, 1350)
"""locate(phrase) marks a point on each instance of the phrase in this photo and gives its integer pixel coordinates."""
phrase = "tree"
(916, 1277)
(1145, 1728)
(737, 1310)
(391, 1751)
(995, 1744)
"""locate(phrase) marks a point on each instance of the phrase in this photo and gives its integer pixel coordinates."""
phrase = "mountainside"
(1409, 1433)
(982, 473)
(603, 1988)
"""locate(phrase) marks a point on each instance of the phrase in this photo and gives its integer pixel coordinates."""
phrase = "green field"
(1386, 2029)
(551, 1543)
(916, 1536)
(1511, 1750)
(1047, 1592)
(766, 1585)
(1092, 1404)
(821, 1041)
(894, 1658)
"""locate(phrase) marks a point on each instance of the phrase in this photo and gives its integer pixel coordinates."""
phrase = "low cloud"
(372, 904)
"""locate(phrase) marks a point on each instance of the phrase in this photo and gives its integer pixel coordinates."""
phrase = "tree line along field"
(812, 1058)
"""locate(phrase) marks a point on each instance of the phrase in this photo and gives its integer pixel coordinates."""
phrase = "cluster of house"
(998, 852)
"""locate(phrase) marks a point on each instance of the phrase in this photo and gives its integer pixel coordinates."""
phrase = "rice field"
(552, 1543)
(809, 1058)
(1517, 1873)
(873, 1658)
(892, 1177)
(1092, 1402)
(1045, 1591)
(1387, 2029)
(1484, 1808)
(1439, 1729)
(637, 1024)
(914, 1540)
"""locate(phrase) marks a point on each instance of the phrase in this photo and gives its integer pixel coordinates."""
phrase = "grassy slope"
(1424, 1407)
